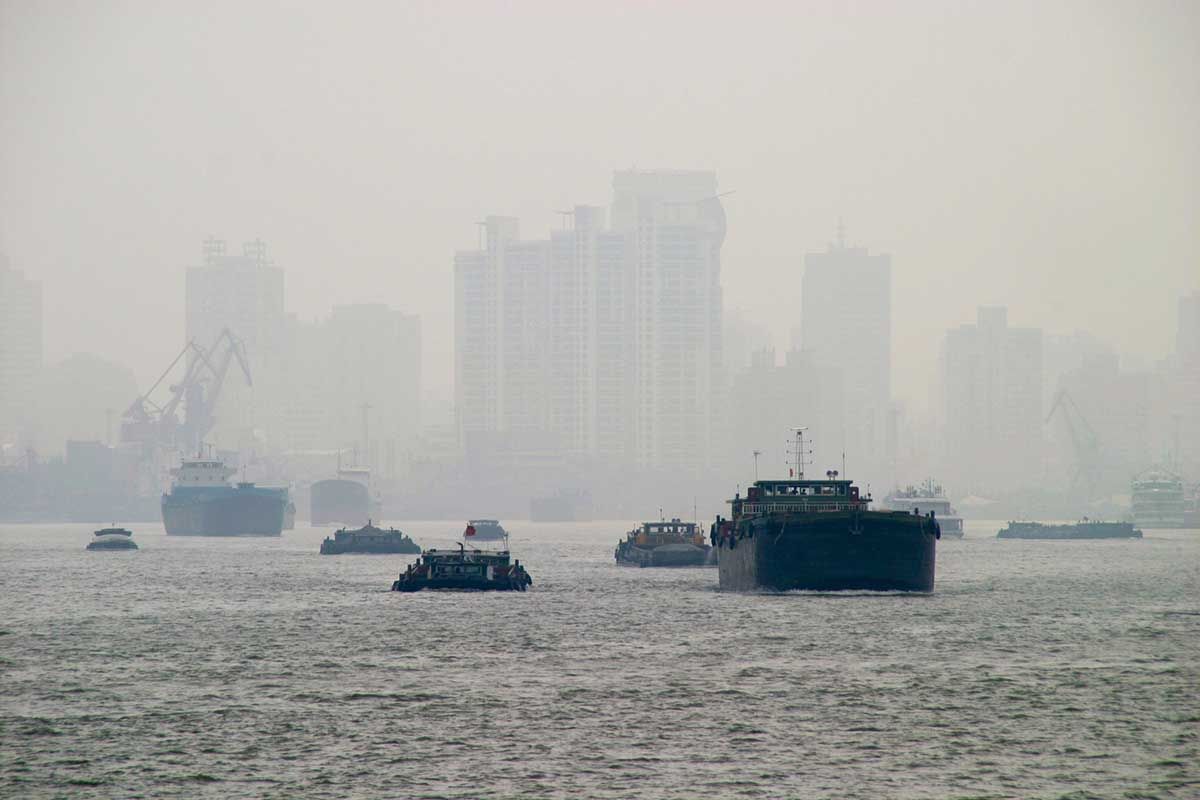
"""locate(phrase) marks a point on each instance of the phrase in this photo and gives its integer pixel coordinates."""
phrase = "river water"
(227, 668)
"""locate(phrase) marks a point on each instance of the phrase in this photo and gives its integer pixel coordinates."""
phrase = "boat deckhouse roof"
(792, 486)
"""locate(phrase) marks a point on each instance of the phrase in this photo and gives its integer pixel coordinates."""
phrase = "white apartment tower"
(598, 343)
(676, 226)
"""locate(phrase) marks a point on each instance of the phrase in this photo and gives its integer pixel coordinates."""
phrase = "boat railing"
(758, 508)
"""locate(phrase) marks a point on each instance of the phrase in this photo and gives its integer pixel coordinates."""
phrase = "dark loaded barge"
(664, 544)
(368, 539)
(1087, 529)
(819, 535)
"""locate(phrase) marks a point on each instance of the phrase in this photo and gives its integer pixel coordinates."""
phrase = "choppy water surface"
(257, 668)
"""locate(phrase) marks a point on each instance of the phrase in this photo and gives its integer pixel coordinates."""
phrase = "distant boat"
(665, 544)
(926, 498)
(820, 535)
(464, 570)
(487, 530)
(202, 503)
(344, 500)
(1085, 529)
(1158, 500)
(112, 539)
(368, 539)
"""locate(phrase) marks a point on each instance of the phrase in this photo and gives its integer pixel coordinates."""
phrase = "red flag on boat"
(470, 531)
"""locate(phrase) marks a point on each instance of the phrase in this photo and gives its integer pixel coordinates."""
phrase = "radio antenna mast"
(801, 452)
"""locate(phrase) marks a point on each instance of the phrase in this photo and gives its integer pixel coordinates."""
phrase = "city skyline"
(1016, 199)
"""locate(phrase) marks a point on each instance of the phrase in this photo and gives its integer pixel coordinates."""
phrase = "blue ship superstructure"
(203, 503)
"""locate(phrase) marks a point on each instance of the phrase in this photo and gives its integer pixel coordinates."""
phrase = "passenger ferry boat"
(819, 535)
(664, 544)
(464, 570)
(368, 539)
(923, 499)
(203, 503)
(112, 539)
(1158, 500)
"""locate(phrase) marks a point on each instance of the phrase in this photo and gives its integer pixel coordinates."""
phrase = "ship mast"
(800, 452)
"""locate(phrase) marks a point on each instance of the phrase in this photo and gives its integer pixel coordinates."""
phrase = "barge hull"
(250, 514)
(831, 551)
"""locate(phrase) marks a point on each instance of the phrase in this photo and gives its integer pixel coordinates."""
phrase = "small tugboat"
(1086, 529)
(368, 539)
(112, 539)
(926, 498)
(488, 530)
(464, 570)
(818, 535)
(664, 544)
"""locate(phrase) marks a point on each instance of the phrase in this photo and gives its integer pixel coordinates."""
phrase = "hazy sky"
(1040, 155)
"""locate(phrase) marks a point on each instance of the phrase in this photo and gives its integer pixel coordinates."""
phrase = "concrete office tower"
(846, 328)
(676, 226)
(245, 294)
(20, 350)
(992, 405)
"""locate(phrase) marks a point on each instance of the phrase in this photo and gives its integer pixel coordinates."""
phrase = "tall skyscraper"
(601, 343)
(20, 347)
(992, 404)
(846, 328)
(676, 226)
(243, 293)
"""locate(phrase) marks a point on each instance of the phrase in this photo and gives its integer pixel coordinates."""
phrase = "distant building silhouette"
(598, 343)
(846, 329)
(243, 293)
(20, 348)
(992, 404)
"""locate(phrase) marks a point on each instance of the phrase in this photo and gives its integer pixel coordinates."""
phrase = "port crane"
(1084, 442)
(152, 425)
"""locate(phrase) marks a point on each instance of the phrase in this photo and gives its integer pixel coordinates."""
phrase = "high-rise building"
(598, 343)
(846, 328)
(20, 348)
(676, 226)
(992, 404)
(243, 293)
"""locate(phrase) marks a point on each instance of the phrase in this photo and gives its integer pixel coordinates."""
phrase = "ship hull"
(686, 555)
(339, 502)
(830, 551)
(231, 512)
(458, 585)
(331, 547)
(1096, 530)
